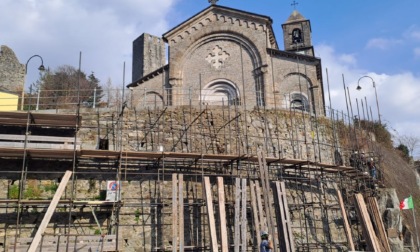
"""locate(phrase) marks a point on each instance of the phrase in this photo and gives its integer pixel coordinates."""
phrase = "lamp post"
(376, 94)
(40, 68)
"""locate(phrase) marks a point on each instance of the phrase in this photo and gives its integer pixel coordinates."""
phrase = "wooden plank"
(222, 215)
(54, 146)
(377, 219)
(181, 211)
(38, 122)
(255, 212)
(268, 203)
(282, 219)
(212, 223)
(12, 137)
(237, 214)
(50, 211)
(174, 212)
(243, 216)
(369, 233)
(288, 220)
(20, 118)
(263, 220)
(345, 220)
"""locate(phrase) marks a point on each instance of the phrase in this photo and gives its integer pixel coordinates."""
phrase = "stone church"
(223, 56)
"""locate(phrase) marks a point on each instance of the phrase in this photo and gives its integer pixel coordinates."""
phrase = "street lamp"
(40, 68)
(376, 94)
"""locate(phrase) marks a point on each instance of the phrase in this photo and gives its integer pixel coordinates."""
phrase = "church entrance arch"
(220, 92)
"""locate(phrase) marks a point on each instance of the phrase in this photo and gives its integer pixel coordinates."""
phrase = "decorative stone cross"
(213, 1)
(217, 57)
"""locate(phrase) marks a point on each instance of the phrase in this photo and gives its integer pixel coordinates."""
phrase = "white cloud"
(398, 94)
(348, 59)
(382, 43)
(102, 30)
(413, 33)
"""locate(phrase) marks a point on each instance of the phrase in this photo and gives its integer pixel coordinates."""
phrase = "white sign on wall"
(113, 190)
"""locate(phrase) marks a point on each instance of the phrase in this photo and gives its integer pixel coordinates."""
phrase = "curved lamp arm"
(376, 94)
(40, 68)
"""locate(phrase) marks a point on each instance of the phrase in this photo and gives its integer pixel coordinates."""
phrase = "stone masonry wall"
(12, 73)
(145, 218)
(212, 130)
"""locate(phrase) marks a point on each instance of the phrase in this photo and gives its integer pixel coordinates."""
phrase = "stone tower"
(148, 55)
(12, 72)
(297, 34)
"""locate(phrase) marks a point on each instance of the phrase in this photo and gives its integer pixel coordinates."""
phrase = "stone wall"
(145, 217)
(212, 130)
(12, 73)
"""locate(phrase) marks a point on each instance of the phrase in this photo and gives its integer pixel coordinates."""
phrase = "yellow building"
(8, 101)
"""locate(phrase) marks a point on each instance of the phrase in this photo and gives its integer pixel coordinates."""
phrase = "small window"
(297, 36)
(299, 102)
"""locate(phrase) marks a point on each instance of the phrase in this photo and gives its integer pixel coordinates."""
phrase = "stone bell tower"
(148, 55)
(297, 34)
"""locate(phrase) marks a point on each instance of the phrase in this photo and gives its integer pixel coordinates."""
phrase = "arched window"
(220, 92)
(299, 101)
(297, 36)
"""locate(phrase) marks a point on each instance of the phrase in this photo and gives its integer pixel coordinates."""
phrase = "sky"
(377, 38)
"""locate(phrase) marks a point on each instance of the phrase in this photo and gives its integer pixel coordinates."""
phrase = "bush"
(381, 132)
(14, 192)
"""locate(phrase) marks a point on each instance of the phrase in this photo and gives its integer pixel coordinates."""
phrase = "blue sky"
(353, 38)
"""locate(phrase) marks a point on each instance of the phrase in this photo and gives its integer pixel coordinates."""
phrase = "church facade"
(223, 56)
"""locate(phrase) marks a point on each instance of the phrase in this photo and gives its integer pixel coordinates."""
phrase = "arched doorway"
(220, 92)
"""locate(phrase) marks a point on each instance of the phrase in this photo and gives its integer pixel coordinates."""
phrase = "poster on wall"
(113, 190)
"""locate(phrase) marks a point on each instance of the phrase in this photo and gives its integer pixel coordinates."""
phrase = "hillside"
(399, 174)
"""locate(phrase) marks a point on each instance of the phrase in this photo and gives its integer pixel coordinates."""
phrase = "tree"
(66, 87)
(410, 141)
(93, 84)
(404, 151)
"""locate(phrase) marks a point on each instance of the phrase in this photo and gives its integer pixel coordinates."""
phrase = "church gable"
(213, 19)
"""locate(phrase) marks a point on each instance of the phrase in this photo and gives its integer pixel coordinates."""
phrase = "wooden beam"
(373, 208)
(345, 220)
(237, 232)
(255, 212)
(282, 220)
(181, 211)
(268, 202)
(50, 211)
(222, 215)
(210, 214)
(243, 216)
(368, 230)
(263, 219)
(288, 219)
(174, 212)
